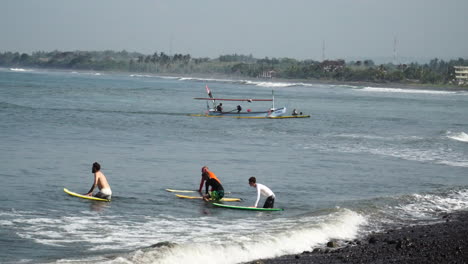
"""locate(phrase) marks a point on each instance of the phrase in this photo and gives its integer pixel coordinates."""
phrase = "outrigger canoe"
(272, 112)
(265, 116)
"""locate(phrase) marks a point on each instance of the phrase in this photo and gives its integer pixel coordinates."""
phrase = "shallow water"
(368, 157)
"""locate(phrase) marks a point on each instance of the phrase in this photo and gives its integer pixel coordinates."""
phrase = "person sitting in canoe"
(100, 181)
(219, 108)
(265, 191)
(239, 108)
(210, 179)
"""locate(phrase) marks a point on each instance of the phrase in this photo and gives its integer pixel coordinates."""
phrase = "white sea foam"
(198, 240)
(167, 77)
(461, 136)
(86, 73)
(206, 79)
(399, 90)
(272, 84)
(379, 137)
(19, 70)
(427, 206)
(140, 75)
(276, 84)
(254, 245)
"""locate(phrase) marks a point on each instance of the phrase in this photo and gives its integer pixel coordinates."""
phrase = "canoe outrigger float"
(217, 111)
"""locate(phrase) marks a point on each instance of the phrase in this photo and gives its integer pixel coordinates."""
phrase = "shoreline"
(444, 242)
(414, 86)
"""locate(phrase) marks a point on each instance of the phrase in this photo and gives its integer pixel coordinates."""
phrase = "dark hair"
(96, 167)
(252, 180)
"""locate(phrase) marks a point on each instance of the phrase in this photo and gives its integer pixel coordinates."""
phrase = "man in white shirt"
(263, 190)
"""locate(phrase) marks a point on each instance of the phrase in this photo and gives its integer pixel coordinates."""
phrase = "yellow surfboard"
(85, 196)
(181, 191)
(199, 197)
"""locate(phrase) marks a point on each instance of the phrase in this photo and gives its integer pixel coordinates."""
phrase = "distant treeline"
(435, 72)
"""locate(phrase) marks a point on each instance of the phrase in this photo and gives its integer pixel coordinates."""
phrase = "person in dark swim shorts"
(264, 191)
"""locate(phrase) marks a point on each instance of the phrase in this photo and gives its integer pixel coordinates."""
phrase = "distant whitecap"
(19, 69)
(399, 90)
(461, 136)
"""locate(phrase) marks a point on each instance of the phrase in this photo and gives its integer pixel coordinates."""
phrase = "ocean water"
(369, 158)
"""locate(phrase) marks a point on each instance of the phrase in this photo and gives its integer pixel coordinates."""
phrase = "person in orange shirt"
(209, 179)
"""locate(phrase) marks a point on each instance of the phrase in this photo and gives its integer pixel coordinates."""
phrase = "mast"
(208, 91)
(273, 99)
(323, 50)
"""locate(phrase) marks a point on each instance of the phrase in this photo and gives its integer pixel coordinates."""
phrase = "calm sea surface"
(367, 159)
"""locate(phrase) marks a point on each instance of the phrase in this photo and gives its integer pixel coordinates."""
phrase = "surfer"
(209, 179)
(265, 191)
(100, 181)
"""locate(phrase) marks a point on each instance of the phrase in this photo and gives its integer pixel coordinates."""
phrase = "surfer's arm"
(258, 197)
(91, 190)
(94, 186)
(201, 185)
(207, 186)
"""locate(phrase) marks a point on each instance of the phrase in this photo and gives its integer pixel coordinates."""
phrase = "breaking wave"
(410, 91)
(429, 206)
(20, 70)
(461, 136)
(252, 245)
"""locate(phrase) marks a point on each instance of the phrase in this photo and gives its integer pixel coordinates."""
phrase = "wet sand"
(444, 242)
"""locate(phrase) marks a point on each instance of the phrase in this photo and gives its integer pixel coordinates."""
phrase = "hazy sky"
(209, 28)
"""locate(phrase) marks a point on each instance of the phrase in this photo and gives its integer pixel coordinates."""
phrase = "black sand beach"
(445, 242)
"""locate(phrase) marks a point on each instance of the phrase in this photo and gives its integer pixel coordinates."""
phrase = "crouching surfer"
(210, 180)
(100, 181)
(263, 190)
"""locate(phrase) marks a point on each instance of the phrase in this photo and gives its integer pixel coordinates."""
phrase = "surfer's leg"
(269, 203)
(217, 195)
(104, 194)
(101, 195)
(220, 194)
(214, 195)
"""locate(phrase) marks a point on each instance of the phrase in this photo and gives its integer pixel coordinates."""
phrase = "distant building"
(267, 74)
(461, 74)
(332, 66)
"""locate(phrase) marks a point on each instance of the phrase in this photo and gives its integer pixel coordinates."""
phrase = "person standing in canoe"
(263, 190)
(209, 179)
(100, 181)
